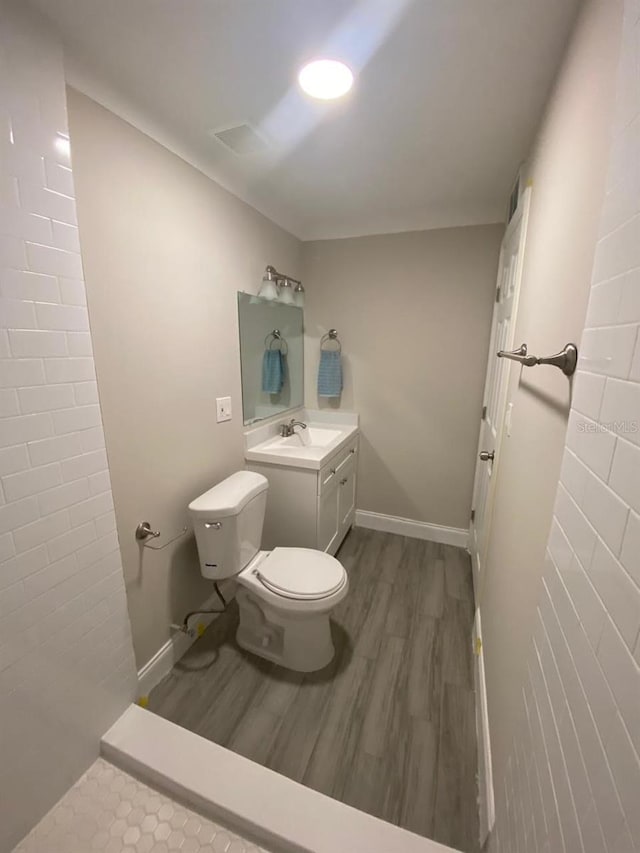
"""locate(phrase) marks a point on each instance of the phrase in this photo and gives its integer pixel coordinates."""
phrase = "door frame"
(520, 219)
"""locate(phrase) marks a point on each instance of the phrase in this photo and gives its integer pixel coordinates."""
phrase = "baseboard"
(179, 644)
(485, 773)
(416, 529)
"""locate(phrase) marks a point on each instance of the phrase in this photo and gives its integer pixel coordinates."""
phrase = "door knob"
(487, 456)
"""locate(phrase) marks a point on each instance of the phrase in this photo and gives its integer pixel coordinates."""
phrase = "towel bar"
(566, 359)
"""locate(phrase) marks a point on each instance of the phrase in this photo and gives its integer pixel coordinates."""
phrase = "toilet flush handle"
(215, 524)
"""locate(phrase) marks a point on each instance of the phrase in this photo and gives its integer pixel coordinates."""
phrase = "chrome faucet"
(289, 429)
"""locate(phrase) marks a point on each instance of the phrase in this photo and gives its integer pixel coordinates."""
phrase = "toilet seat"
(301, 574)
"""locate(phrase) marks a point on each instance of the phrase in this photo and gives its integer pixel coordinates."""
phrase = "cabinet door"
(346, 475)
(328, 520)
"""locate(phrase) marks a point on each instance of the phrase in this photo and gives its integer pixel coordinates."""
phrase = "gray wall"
(567, 168)
(165, 250)
(413, 311)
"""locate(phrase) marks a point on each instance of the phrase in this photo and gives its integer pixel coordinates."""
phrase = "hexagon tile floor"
(107, 810)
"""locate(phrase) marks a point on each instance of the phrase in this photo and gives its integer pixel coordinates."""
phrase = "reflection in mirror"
(271, 357)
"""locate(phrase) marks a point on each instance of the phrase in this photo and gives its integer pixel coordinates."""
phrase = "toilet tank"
(227, 521)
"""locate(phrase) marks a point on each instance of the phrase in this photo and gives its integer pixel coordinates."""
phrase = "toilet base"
(301, 642)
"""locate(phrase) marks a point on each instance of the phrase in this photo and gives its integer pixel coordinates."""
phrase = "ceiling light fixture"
(325, 79)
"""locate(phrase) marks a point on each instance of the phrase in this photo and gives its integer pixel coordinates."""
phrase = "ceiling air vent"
(242, 139)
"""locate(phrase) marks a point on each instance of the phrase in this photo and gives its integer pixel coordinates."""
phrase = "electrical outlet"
(223, 409)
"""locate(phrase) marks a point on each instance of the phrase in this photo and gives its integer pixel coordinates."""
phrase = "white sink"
(306, 448)
(312, 436)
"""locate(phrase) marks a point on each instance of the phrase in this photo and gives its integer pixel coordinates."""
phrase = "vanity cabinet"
(309, 508)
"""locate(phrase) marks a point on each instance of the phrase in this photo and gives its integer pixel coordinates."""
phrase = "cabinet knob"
(353, 450)
(343, 481)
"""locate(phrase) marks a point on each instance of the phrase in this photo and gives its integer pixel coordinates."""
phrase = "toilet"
(284, 596)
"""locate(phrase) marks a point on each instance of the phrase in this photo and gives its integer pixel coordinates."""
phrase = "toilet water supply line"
(185, 629)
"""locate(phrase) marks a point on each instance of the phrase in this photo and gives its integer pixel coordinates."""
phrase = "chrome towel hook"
(566, 359)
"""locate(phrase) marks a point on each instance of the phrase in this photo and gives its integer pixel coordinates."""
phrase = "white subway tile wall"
(66, 660)
(573, 779)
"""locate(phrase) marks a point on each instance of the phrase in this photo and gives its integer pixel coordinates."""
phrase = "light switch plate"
(223, 409)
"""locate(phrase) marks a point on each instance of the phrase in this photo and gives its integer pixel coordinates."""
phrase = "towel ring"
(332, 335)
(275, 337)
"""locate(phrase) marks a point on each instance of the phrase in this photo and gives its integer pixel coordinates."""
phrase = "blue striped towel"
(272, 371)
(330, 374)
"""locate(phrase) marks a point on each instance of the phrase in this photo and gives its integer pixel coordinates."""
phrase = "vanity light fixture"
(277, 286)
(325, 79)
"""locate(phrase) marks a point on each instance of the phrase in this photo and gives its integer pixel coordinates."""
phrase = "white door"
(495, 390)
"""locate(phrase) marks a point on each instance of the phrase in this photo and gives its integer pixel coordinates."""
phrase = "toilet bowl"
(284, 596)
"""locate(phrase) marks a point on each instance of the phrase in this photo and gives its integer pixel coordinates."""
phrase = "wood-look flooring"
(389, 725)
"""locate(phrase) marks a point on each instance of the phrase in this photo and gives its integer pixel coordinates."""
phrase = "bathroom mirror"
(271, 357)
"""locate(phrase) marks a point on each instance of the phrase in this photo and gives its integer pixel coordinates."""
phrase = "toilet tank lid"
(230, 495)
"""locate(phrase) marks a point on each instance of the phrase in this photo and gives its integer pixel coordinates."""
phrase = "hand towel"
(330, 374)
(272, 371)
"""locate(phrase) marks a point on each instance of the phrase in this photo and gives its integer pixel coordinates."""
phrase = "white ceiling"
(447, 98)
